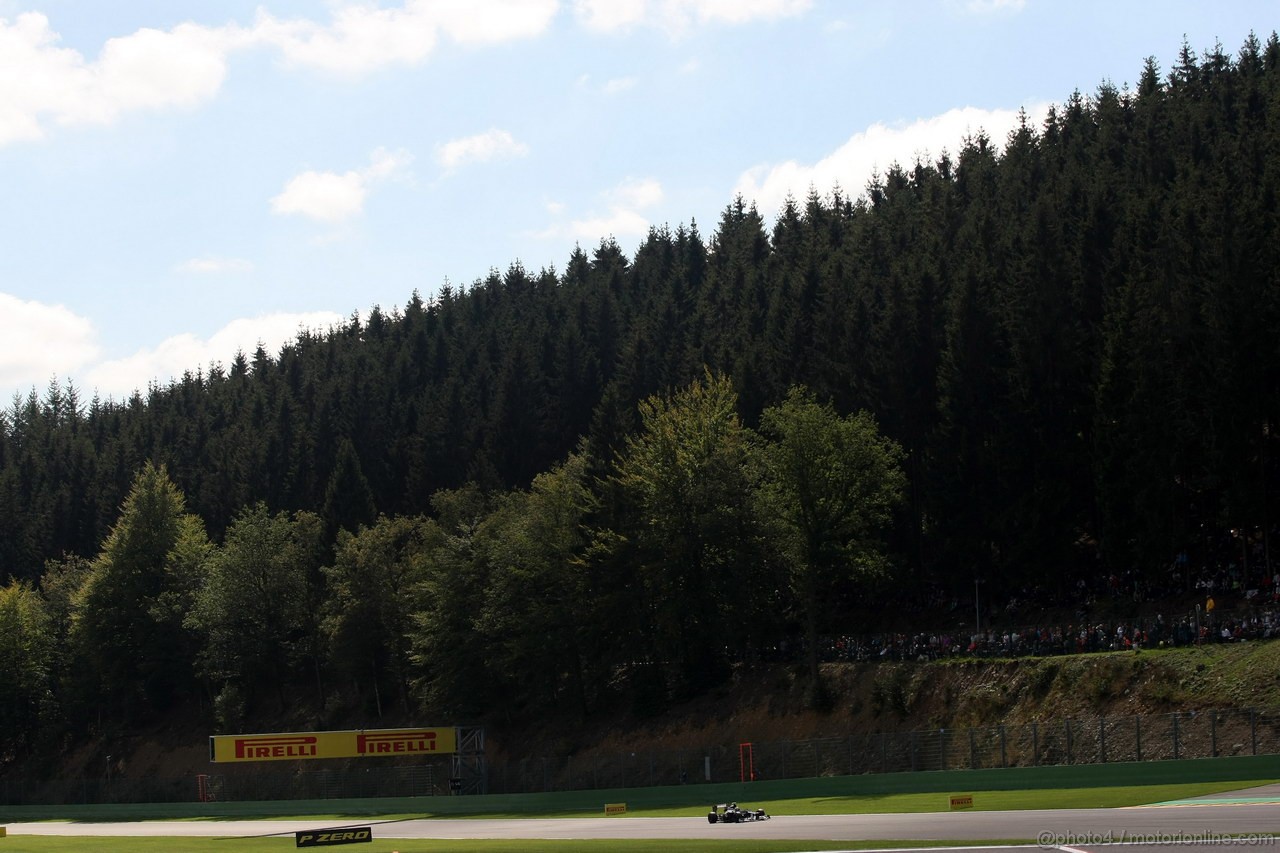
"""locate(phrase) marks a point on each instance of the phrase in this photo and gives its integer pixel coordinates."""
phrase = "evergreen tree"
(128, 649)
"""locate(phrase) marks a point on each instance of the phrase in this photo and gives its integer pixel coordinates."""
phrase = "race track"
(1255, 812)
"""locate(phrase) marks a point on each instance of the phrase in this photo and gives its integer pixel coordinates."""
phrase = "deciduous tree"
(828, 487)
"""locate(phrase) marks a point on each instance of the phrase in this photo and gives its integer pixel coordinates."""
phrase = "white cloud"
(325, 196)
(332, 197)
(636, 193)
(483, 147)
(211, 264)
(43, 83)
(490, 21)
(39, 341)
(875, 150)
(677, 16)
(360, 39)
(150, 69)
(363, 37)
(619, 222)
(623, 219)
(172, 357)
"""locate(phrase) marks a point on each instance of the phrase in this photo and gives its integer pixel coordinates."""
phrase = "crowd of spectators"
(1122, 635)
(1235, 570)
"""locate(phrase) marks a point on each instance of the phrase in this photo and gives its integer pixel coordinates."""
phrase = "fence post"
(1175, 736)
(1004, 760)
(1213, 733)
(1067, 726)
(1035, 746)
(1102, 740)
(973, 751)
(942, 749)
(884, 754)
(913, 752)
(1253, 730)
(1137, 735)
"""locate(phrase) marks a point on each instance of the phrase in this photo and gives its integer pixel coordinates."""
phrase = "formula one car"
(731, 813)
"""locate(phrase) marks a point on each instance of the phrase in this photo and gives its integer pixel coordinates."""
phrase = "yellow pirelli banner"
(362, 743)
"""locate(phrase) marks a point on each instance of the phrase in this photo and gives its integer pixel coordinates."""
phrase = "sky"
(183, 180)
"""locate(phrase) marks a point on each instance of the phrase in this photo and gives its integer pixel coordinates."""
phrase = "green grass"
(1202, 676)
(1049, 798)
(1060, 798)
(99, 844)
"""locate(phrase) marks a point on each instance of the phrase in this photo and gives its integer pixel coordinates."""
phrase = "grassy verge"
(1060, 798)
(1048, 798)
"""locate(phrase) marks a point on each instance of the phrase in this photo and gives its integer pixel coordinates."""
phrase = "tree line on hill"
(1067, 346)
(710, 537)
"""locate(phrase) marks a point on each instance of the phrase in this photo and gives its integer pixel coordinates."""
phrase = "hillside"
(768, 703)
(765, 705)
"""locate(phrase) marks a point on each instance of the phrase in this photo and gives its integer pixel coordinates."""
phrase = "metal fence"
(1083, 740)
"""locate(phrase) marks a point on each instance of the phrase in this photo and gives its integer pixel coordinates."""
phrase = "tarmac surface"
(1249, 817)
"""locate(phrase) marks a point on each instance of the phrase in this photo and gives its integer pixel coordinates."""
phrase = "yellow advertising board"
(361, 743)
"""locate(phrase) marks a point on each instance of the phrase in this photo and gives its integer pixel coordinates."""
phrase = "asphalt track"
(1207, 823)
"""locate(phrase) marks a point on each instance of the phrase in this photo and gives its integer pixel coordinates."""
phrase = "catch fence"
(1084, 740)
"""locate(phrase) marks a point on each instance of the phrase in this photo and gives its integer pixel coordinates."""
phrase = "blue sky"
(184, 179)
